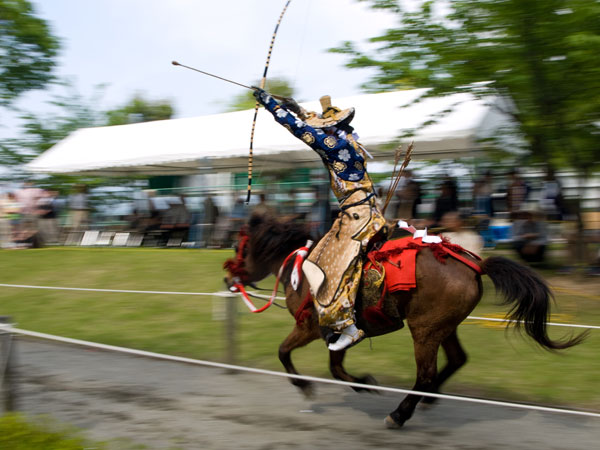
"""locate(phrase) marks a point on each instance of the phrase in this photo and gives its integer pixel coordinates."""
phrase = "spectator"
(209, 219)
(10, 215)
(594, 268)
(319, 217)
(530, 236)
(237, 216)
(263, 208)
(47, 217)
(445, 203)
(80, 210)
(28, 197)
(516, 194)
(229, 227)
(176, 220)
(483, 207)
(551, 199)
(409, 196)
(290, 208)
(482, 196)
(453, 224)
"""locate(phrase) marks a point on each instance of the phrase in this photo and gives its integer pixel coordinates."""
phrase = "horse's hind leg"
(336, 360)
(299, 337)
(456, 358)
(426, 358)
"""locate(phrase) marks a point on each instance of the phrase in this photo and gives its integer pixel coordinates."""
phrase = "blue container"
(501, 233)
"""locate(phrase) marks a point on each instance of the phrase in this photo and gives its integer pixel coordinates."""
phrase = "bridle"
(235, 266)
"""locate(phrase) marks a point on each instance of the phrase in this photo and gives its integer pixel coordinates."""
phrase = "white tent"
(219, 143)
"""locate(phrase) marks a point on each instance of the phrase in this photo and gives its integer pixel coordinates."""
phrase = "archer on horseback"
(333, 268)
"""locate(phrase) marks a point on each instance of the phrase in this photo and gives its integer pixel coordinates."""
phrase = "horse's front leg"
(299, 337)
(336, 360)
(426, 359)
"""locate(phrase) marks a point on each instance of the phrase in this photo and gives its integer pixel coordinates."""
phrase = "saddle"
(391, 267)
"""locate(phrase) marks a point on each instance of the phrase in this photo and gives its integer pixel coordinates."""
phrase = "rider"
(334, 267)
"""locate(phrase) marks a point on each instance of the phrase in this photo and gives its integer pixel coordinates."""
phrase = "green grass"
(20, 433)
(501, 365)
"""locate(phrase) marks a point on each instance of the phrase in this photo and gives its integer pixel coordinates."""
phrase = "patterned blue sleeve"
(317, 139)
(337, 152)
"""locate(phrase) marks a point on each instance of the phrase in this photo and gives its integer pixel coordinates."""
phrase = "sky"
(129, 45)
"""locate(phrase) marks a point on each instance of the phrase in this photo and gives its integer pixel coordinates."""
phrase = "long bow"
(262, 86)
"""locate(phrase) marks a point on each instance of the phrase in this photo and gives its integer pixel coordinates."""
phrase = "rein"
(295, 277)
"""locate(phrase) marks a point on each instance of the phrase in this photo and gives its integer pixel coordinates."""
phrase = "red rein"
(235, 266)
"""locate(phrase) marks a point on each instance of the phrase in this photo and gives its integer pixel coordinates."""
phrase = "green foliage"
(68, 111)
(539, 55)
(16, 433)
(27, 50)
(140, 110)
(246, 100)
(71, 111)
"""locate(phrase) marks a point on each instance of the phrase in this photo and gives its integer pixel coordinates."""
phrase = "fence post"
(230, 330)
(7, 366)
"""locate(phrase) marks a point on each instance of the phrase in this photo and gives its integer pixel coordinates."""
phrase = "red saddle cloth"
(398, 258)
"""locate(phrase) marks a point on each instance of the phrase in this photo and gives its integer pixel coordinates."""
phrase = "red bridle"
(235, 266)
(240, 275)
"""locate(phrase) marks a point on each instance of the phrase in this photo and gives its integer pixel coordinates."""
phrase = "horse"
(445, 294)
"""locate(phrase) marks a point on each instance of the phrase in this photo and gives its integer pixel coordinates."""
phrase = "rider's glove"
(261, 95)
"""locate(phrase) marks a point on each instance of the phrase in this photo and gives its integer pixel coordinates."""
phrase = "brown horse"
(445, 295)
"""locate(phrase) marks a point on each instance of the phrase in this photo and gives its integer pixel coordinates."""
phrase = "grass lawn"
(20, 433)
(501, 365)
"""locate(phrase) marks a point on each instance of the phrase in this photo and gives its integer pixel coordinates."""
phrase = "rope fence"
(228, 294)
(237, 368)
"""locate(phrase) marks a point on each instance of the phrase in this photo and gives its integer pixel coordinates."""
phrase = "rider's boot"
(350, 336)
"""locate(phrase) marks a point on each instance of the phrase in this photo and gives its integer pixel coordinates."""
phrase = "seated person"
(454, 230)
(530, 236)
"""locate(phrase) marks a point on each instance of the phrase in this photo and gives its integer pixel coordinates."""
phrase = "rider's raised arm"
(314, 137)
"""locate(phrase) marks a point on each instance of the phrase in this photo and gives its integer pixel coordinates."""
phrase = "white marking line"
(229, 294)
(123, 291)
(299, 377)
(555, 324)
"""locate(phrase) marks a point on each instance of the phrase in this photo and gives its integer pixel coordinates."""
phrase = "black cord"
(264, 299)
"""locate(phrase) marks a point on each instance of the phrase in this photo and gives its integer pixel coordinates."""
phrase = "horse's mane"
(272, 238)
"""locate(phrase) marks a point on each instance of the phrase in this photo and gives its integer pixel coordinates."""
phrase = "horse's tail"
(530, 298)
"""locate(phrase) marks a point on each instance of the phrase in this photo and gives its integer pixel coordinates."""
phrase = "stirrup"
(350, 336)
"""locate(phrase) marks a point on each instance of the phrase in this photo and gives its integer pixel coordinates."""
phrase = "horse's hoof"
(368, 380)
(391, 424)
(308, 390)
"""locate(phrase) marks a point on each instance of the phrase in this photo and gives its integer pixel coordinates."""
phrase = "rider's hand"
(260, 94)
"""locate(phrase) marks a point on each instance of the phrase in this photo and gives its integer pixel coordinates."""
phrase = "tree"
(541, 56)
(70, 111)
(27, 50)
(140, 110)
(246, 100)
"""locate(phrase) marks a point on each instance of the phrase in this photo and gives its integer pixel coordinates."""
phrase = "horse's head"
(263, 245)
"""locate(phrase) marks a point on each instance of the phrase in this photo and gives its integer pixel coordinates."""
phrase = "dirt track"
(173, 405)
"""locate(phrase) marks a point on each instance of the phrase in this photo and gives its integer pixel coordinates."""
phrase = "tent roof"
(220, 142)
